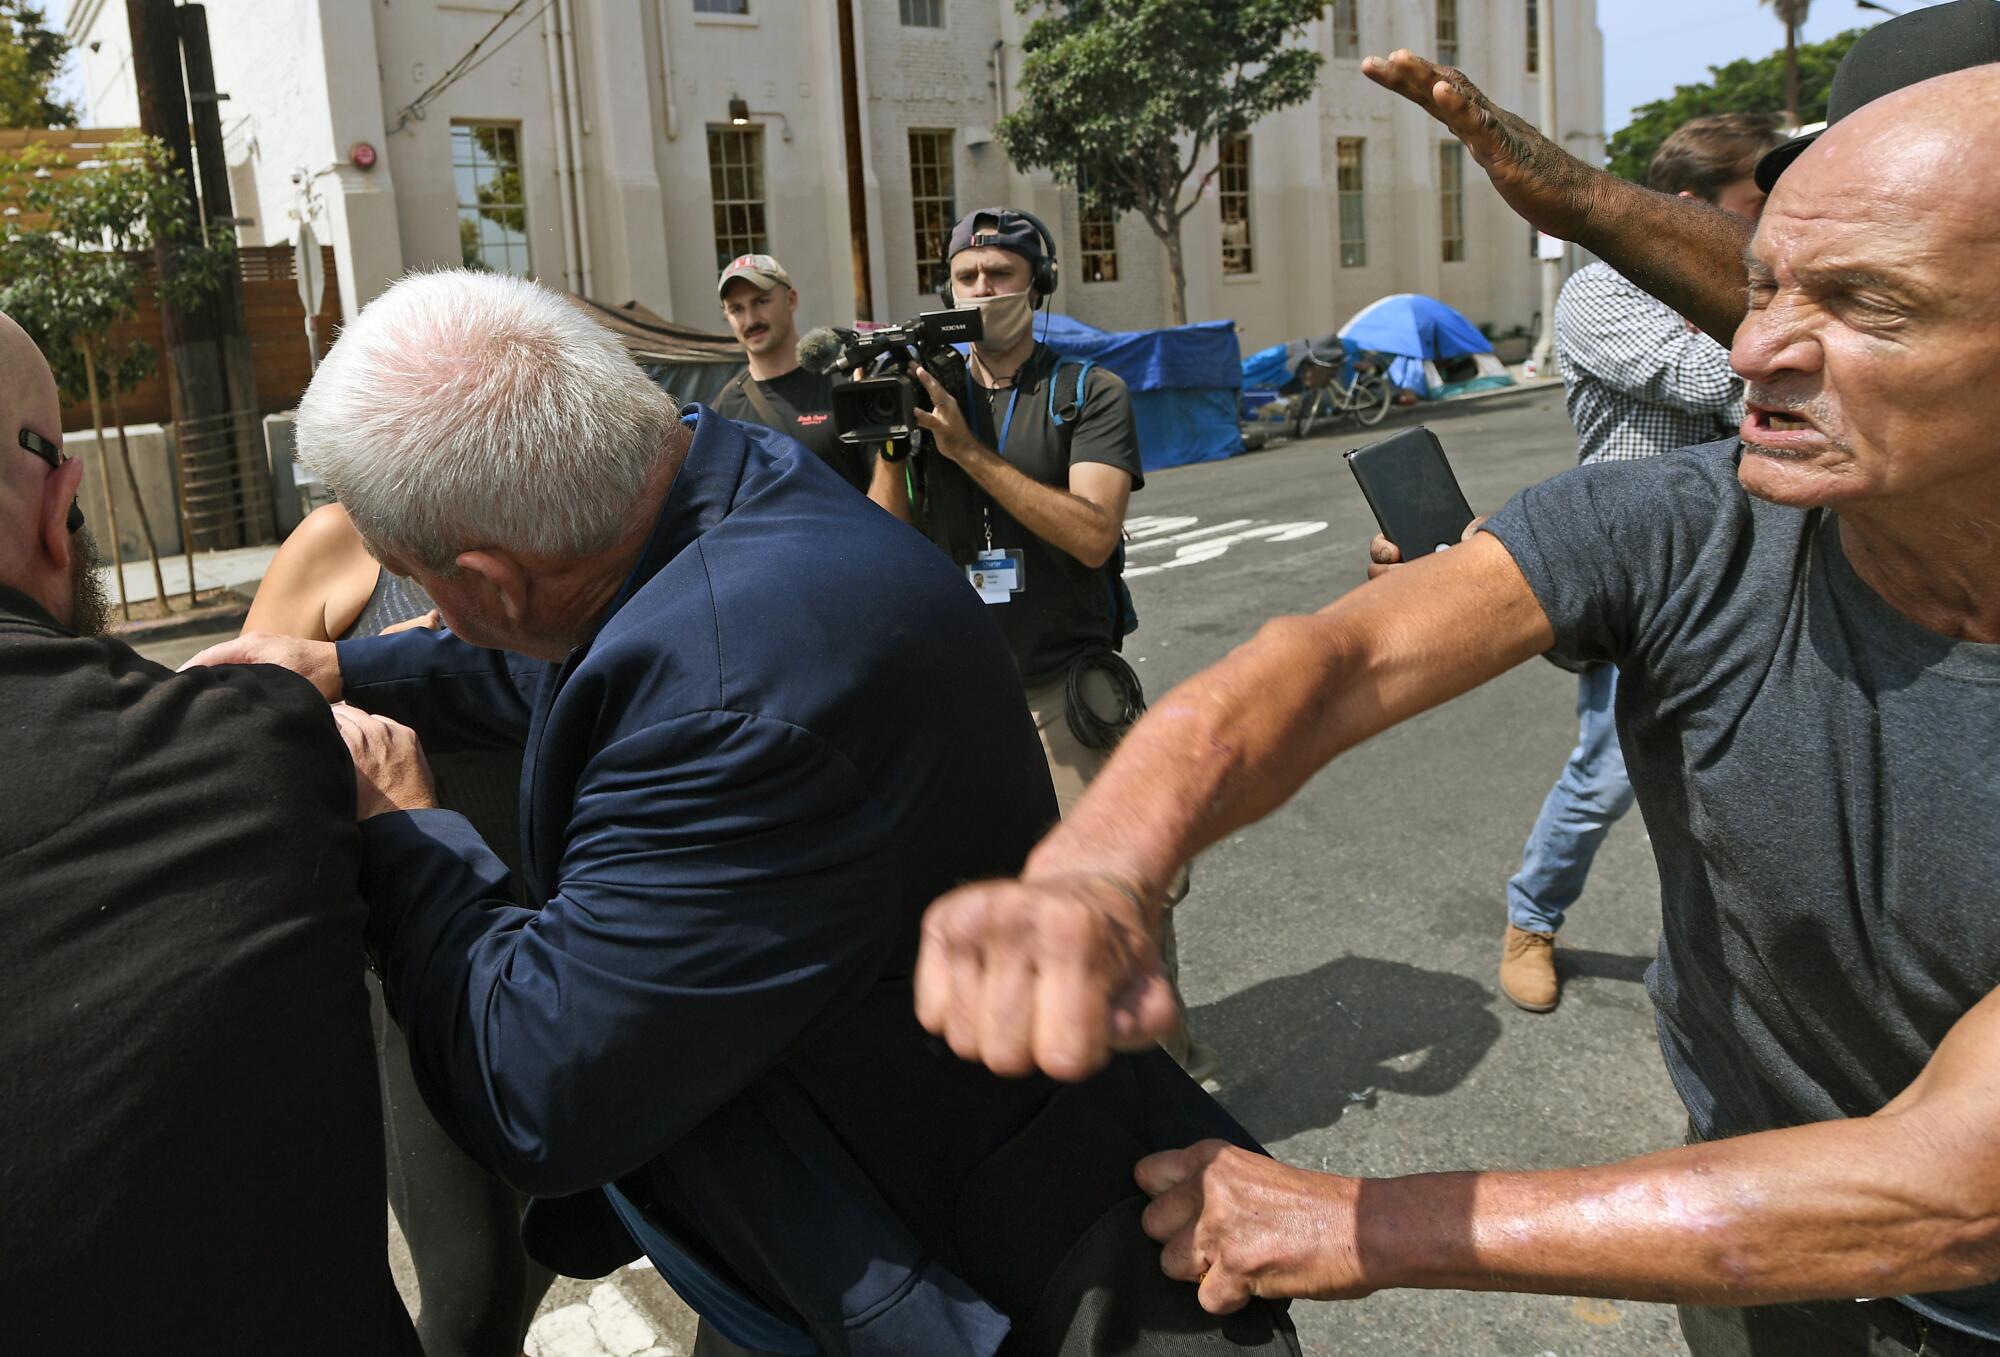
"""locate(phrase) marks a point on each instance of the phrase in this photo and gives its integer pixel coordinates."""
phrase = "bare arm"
(1907, 1200)
(1085, 520)
(890, 487)
(1686, 253)
(318, 582)
(1055, 970)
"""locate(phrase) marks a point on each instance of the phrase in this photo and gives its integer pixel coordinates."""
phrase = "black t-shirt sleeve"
(1105, 430)
(729, 402)
(1616, 551)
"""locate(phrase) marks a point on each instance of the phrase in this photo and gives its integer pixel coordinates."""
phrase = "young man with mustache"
(761, 306)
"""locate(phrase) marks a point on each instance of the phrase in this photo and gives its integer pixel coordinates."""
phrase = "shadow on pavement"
(1299, 1050)
(1584, 963)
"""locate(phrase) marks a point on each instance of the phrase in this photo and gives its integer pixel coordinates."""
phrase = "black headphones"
(1042, 273)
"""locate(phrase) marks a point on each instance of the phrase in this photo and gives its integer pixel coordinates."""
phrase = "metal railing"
(225, 483)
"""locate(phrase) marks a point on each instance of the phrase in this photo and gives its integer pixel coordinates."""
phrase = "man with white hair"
(764, 724)
(189, 1140)
(1806, 622)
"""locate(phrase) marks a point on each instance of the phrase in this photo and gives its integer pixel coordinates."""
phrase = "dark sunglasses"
(51, 454)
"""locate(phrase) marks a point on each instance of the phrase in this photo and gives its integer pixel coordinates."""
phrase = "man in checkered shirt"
(1639, 381)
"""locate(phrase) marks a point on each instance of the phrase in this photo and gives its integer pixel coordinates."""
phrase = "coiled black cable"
(1094, 729)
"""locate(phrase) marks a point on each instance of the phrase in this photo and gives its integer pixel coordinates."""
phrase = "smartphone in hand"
(1409, 484)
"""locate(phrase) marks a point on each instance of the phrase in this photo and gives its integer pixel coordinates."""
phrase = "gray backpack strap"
(1066, 396)
(1065, 409)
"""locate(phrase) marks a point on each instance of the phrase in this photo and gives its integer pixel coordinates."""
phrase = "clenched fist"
(1054, 974)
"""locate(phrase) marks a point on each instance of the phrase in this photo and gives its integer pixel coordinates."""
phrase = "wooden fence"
(76, 147)
(277, 323)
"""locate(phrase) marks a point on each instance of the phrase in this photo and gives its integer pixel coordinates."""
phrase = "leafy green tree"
(1742, 86)
(31, 56)
(1132, 97)
(73, 261)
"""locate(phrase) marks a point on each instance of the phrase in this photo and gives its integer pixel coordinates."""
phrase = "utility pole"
(857, 185)
(1550, 260)
(198, 384)
(1792, 66)
(219, 223)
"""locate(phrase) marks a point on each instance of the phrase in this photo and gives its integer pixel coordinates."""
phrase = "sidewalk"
(240, 568)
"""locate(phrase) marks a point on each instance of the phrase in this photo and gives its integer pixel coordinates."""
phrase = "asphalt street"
(1341, 954)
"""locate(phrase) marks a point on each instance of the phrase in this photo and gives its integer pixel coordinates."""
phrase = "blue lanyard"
(1006, 427)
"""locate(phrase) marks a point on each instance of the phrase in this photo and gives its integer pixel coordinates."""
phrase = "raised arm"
(1905, 1201)
(1684, 252)
(1055, 970)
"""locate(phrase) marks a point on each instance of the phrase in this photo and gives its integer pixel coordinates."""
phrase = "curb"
(227, 618)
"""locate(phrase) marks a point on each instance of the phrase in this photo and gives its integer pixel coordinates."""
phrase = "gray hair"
(463, 410)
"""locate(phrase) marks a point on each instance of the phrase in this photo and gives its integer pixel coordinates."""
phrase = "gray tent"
(691, 364)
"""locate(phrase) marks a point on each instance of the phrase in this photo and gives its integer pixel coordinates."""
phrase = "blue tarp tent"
(1271, 368)
(1419, 331)
(1183, 382)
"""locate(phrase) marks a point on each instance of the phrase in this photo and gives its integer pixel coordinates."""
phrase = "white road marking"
(1207, 544)
(1146, 525)
(1174, 538)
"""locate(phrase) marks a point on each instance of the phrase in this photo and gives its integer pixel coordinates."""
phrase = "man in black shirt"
(761, 306)
(1027, 492)
(189, 1132)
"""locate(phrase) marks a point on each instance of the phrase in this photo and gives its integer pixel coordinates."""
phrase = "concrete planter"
(154, 465)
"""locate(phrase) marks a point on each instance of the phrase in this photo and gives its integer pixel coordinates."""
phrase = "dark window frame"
(1097, 237)
(1351, 191)
(933, 202)
(737, 193)
(1346, 23)
(492, 208)
(1236, 205)
(1451, 202)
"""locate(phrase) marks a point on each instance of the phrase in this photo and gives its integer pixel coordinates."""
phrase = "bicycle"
(1326, 396)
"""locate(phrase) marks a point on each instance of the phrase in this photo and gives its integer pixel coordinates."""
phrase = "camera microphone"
(820, 350)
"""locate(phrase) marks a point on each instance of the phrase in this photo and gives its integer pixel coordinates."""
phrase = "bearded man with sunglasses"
(188, 1117)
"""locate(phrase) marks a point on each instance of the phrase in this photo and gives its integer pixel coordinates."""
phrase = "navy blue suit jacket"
(795, 727)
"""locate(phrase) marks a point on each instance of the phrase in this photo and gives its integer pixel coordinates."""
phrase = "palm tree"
(1792, 14)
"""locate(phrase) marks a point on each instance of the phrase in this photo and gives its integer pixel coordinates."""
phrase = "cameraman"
(761, 306)
(1027, 493)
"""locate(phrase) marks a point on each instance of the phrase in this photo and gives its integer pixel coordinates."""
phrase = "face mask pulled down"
(1005, 320)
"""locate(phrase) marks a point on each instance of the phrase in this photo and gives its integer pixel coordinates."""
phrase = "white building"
(591, 143)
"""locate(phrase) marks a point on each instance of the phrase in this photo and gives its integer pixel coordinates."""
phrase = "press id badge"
(996, 575)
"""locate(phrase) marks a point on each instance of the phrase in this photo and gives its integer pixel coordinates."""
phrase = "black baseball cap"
(1890, 56)
(1006, 229)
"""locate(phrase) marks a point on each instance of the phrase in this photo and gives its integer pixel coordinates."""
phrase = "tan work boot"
(1528, 970)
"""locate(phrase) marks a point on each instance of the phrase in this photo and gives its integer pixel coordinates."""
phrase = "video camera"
(879, 410)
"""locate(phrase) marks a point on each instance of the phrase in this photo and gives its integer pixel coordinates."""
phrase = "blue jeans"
(1589, 797)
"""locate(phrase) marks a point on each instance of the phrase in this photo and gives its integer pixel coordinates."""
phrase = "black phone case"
(1409, 485)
